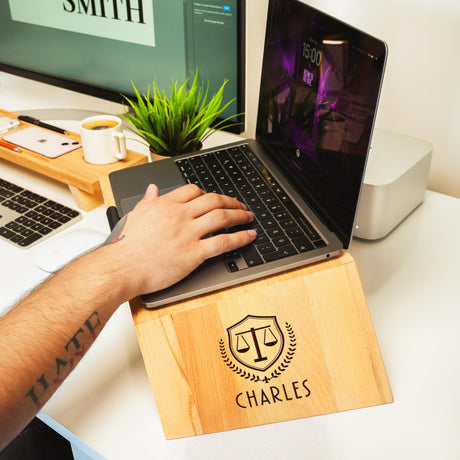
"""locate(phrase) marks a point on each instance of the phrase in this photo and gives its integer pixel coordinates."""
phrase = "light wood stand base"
(205, 357)
(293, 345)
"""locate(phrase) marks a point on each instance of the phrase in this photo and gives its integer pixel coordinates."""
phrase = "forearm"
(157, 244)
(55, 325)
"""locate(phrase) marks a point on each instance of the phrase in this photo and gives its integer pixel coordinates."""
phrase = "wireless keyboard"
(27, 218)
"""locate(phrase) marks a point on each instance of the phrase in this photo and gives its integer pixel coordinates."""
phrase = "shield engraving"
(256, 341)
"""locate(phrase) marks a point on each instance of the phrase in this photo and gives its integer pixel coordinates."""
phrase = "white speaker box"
(394, 185)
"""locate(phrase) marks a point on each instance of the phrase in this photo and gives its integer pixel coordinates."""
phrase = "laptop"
(302, 174)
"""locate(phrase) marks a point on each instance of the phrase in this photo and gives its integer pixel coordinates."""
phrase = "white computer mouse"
(59, 250)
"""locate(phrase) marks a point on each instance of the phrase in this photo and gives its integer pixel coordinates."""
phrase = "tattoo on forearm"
(63, 366)
(117, 233)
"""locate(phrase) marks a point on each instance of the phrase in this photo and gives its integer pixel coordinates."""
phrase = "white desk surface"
(412, 283)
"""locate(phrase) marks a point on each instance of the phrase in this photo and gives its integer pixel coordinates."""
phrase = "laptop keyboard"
(27, 218)
(282, 231)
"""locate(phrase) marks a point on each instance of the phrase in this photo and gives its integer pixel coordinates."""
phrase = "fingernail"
(244, 206)
(252, 232)
(152, 190)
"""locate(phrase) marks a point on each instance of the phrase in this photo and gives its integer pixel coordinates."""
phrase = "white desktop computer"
(394, 185)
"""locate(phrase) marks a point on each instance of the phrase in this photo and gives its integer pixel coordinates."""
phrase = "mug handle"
(121, 143)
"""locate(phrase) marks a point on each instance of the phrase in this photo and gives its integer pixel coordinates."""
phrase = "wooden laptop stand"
(288, 346)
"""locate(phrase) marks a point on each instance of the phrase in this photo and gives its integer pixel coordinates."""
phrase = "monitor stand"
(81, 177)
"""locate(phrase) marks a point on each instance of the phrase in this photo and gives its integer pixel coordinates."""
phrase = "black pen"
(36, 122)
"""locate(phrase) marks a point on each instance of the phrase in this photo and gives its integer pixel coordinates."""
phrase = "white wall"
(18, 94)
(421, 91)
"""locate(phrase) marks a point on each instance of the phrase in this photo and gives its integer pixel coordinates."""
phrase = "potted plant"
(180, 122)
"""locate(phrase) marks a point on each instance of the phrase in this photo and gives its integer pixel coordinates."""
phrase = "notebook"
(302, 174)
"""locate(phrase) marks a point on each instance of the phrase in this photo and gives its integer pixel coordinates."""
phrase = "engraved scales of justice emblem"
(257, 343)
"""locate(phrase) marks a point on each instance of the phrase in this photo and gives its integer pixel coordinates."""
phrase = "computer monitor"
(99, 47)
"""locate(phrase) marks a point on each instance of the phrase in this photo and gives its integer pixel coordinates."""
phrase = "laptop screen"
(319, 90)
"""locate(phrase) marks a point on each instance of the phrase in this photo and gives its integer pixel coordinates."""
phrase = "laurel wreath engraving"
(274, 374)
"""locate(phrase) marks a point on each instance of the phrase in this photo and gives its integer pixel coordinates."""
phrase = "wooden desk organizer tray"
(289, 346)
(71, 169)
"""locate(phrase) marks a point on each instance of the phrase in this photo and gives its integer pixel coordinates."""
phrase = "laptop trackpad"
(127, 204)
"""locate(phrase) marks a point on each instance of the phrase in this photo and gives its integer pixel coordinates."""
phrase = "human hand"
(162, 239)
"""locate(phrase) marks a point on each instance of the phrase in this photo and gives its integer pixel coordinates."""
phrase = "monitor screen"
(99, 47)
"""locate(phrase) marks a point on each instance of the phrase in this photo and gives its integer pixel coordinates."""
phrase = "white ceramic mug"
(103, 139)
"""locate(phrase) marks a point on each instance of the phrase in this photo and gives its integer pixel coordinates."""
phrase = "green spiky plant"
(180, 122)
